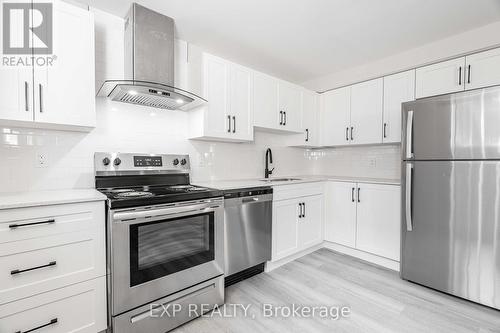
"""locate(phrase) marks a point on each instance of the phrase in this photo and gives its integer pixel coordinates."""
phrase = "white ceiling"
(300, 40)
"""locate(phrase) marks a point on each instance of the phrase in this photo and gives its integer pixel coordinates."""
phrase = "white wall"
(470, 41)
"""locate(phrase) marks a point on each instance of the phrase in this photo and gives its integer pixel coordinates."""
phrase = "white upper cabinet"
(310, 136)
(277, 104)
(335, 115)
(266, 102)
(241, 102)
(228, 114)
(65, 92)
(482, 69)
(441, 78)
(290, 106)
(398, 88)
(16, 85)
(378, 220)
(61, 95)
(366, 112)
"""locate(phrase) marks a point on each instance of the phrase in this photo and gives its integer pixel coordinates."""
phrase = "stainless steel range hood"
(149, 65)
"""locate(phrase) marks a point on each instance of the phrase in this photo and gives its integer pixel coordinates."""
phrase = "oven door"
(157, 251)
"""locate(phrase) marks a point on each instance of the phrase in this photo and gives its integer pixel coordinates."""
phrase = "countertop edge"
(48, 198)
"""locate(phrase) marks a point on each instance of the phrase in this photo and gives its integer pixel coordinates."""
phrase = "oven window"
(164, 247)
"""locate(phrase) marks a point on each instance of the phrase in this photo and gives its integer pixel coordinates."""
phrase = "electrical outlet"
(372, 162)
(42, 160)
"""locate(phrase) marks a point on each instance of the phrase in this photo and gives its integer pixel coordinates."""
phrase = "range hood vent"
(149, 65)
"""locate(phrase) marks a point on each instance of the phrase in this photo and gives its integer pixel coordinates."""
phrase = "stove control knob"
(176, 161)
(117, 161)
(106, 161)
(183, 161)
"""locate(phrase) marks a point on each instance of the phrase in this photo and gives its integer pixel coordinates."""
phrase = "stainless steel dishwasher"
(248, 227)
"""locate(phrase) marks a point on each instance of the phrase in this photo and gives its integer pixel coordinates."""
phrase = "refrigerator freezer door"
(477, 124)
(464, 125)
(454, 244)
(431, 133)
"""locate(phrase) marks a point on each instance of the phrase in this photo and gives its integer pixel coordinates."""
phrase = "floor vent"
(245, 274)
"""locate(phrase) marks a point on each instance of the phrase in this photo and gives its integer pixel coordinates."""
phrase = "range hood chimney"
(149, 65)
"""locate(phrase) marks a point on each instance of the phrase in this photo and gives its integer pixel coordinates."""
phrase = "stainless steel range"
(165, 241)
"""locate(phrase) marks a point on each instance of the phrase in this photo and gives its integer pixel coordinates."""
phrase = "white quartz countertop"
(49, 197)
(247, 183)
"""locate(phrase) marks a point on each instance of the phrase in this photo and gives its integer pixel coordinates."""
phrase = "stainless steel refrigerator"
(451, 194)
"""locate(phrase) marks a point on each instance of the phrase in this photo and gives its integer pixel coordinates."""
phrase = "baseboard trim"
(374, 259)
(371, 258)
(270, 265)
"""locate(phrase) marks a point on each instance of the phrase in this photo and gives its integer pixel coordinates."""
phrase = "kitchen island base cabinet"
(364, 217)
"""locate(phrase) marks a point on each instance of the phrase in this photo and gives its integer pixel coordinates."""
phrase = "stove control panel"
(148, 161)
(127, 163)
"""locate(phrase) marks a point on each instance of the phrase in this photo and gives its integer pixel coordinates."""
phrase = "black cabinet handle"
(234, 124)
(51, 322)
(281, 117)
(40, 91)
(304, 207)
(284, 118)
(460, 76)
(15, 225)
(358, 195)
(352, 194)
(307, 134)
(229, 124)
(385, 130)
(347, 133)
(19, 271)
(352, 130)
(300, 210)
(468, 74)
(26, 103)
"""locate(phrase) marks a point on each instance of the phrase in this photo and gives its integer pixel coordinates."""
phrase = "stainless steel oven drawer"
(162, 319)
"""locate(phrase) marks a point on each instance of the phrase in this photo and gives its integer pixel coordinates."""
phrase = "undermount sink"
(270, 180)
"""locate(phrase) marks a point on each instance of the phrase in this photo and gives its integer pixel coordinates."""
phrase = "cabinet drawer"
(285, 192)
(33, 222)
(39, 265)
(78, 308)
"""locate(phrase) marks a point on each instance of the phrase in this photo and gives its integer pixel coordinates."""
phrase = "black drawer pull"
(19, 271)
(51, 322)
(14, 226)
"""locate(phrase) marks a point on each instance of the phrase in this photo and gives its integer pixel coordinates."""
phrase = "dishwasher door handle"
(250, 200)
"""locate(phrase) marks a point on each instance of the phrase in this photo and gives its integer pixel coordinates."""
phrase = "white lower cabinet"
(77, 308)
(297, 219)
(285, 214)
(378, 220)
(365, 217)
(310, 224)
(340, 226)
(53, 268)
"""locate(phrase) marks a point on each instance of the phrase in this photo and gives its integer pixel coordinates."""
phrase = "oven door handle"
(194, 209)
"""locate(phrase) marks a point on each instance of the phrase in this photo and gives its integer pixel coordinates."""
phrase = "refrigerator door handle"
(408, 199)
(409, 135)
